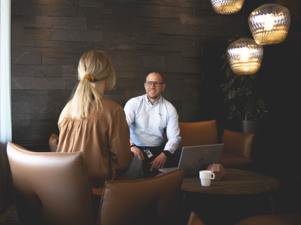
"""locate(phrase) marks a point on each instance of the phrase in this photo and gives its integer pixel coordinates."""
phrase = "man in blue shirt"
(150, 117)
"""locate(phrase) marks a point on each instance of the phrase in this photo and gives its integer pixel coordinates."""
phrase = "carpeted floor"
(9, 217)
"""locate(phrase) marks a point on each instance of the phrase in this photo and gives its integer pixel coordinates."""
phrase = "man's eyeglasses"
(155, 83)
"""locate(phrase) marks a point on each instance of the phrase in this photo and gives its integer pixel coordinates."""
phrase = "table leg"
(272, 202)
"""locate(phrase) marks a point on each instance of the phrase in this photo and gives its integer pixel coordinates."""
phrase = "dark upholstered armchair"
(237, 148)
(50, 188)
(237, 145)
(144, 201)
(198, 133)
(53, 189)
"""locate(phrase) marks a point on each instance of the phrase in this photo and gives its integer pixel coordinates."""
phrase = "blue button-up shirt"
(148, 122)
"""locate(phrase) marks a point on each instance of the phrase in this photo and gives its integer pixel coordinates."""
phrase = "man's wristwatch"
(167, 153)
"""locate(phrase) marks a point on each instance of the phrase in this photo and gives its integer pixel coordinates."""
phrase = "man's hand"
(158, 162)
(137, 152)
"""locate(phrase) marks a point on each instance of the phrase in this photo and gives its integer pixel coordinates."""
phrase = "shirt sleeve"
(172, 131)
(129, 110)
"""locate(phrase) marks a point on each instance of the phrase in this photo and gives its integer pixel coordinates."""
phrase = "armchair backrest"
(238, 143)
(143, 201)
(198, 133)
(50, 188)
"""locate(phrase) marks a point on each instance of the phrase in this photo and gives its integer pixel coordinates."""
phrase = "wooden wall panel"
(184, 40)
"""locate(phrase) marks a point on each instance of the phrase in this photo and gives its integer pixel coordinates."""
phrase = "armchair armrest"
(53, 142)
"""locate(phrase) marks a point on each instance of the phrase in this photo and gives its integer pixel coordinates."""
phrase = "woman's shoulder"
(109, 103)
(109, 109)
(66, 112)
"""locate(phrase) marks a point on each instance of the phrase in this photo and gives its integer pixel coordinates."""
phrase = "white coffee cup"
(206, 176)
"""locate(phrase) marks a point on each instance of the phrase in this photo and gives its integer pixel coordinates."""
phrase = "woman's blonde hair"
(93, 66)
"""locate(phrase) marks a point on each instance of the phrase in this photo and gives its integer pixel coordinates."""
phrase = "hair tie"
(89, 77)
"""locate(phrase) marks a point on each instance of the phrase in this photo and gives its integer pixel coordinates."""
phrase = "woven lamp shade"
(269, 24)
(244, 56)
(227, 7)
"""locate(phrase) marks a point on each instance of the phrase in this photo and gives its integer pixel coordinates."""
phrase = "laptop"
(195, 158)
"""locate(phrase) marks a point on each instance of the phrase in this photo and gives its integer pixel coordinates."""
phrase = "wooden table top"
(235, 182)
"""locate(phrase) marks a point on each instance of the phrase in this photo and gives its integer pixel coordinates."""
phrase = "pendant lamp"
(227, 6)
(269, 24)
(244, 56)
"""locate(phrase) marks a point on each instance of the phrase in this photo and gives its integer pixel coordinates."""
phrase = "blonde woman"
(94, 124)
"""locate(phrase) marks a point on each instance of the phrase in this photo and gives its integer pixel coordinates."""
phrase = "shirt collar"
(149, 103)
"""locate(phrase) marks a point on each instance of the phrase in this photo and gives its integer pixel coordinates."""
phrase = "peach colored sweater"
(103, 137)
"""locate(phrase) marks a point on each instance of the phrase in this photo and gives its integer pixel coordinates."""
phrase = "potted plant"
(241, 99)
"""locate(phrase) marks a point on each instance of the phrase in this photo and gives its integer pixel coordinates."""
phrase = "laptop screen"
(195, 158)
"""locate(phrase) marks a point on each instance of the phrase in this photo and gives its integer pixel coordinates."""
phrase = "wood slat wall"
(184, 40)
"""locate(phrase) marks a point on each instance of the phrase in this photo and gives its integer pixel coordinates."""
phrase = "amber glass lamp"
(269, 24)
(244, 56)
(227, 7)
